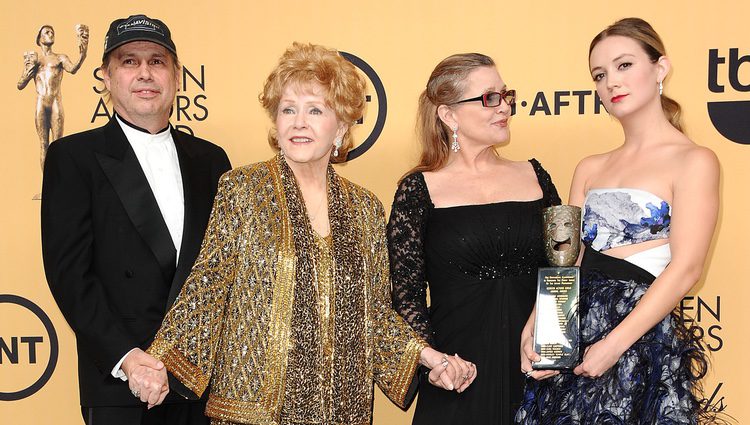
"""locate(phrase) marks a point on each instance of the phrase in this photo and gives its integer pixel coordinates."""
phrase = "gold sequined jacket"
(250, 304)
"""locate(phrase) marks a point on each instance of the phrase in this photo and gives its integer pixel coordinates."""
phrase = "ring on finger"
(136, 393)
(528, 373)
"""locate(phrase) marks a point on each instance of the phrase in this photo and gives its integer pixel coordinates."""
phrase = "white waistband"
(653, 260)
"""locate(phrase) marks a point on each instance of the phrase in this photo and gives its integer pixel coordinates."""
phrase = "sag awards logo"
(705, 314)
(191, 103)
(730, 118)
(28, 348)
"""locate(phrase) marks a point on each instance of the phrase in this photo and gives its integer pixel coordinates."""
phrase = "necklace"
(312, 215)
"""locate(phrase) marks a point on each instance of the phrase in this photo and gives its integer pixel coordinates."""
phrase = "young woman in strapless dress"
(649, 212)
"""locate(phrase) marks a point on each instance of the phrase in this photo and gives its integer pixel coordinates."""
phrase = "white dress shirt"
(157, 156)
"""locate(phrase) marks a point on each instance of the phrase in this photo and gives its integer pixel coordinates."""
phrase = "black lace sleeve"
(405, 232)
(549, 191)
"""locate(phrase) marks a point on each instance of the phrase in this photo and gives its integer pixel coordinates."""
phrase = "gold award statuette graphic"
(46, 68)
(556, 330)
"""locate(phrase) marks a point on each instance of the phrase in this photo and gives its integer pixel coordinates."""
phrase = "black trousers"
(166, 414)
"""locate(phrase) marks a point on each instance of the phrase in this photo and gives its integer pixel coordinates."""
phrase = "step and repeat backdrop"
(227, 48)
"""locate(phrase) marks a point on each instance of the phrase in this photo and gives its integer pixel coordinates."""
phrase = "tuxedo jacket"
(108, 256)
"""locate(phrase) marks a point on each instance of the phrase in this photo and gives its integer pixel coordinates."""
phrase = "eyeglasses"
(493, 98)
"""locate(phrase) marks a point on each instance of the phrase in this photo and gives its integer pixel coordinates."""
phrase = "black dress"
(481, 263)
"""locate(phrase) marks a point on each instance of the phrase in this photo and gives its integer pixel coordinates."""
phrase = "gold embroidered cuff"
(406, 370)
(190, 375)
(238, 411)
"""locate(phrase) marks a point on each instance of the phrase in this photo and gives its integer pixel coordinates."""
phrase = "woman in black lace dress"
(467, 223)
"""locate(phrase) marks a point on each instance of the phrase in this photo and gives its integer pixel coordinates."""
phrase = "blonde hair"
(446, 85)
(309, 63)
(644, 34)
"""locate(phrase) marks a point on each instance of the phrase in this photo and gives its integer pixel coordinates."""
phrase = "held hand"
(598, 359)
(147, 377)
(528, 355)
(448, 372)
(438, 363)
(468, 377)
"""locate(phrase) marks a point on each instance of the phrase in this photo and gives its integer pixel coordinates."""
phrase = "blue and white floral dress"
(656, 381)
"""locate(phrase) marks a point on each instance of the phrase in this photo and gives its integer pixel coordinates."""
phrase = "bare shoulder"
(436, 178)
(696, 159)
(591, 165)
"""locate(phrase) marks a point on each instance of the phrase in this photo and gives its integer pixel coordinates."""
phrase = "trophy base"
(556, 330)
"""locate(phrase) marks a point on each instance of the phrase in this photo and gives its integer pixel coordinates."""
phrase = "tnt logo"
(28, 348)
(730, 118)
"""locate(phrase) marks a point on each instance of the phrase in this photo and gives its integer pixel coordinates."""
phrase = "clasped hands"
(147, 377)
(598, 358)
(448, 372)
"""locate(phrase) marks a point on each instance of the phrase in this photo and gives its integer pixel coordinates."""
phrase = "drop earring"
(661, 88)
(337, 144)
(455, 147)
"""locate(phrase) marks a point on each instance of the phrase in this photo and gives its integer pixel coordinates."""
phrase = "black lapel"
(121, 166)
(196, 189)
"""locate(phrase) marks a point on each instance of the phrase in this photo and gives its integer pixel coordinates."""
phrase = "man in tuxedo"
(124, 210)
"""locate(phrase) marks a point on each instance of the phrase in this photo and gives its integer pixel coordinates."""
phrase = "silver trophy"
(556, 329)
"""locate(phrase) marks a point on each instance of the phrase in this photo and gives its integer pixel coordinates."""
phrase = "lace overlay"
(480, 263)
(410, 213)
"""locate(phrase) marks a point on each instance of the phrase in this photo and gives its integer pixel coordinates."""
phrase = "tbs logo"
(730, 118)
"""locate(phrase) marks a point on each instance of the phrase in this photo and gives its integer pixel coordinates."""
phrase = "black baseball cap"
(137, 28)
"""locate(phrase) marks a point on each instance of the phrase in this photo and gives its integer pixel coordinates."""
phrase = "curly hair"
(303, 64)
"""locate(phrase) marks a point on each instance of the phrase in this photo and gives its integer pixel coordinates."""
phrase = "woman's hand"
(528, 355)
(147, 377)
(598, 359)
(448, 372)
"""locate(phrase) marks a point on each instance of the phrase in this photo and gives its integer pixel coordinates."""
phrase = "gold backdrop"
(228, 48)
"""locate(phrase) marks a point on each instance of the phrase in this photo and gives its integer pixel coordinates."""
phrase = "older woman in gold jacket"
(287, 311)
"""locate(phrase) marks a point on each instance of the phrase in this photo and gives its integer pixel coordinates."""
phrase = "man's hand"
(147, 377)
